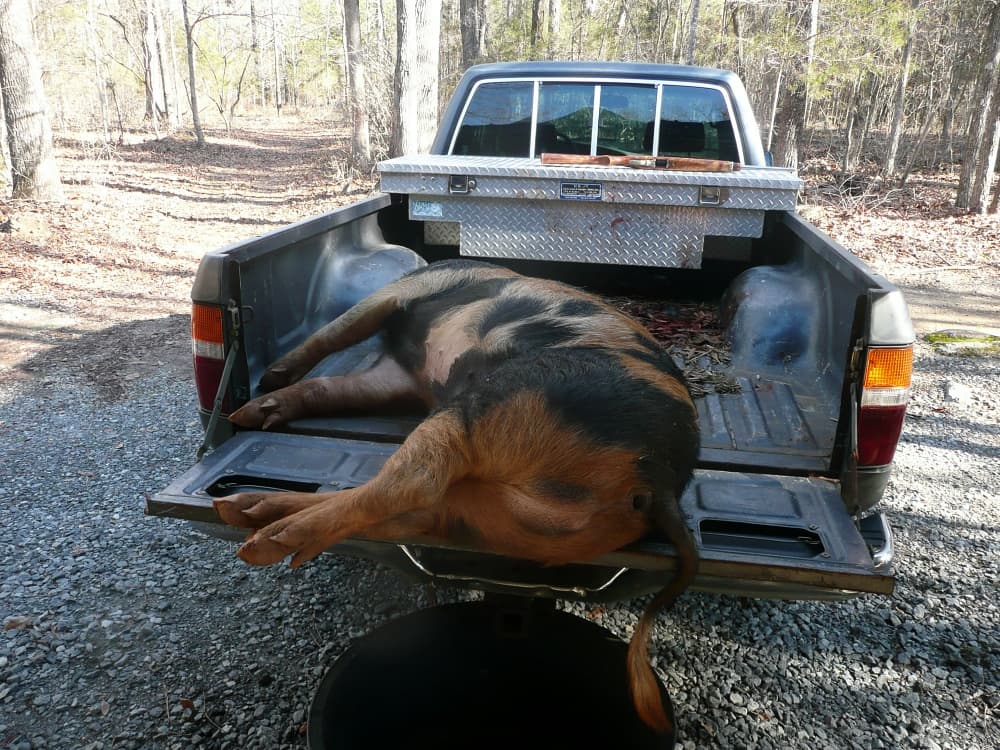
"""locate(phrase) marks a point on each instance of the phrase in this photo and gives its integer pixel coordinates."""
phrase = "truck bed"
(765, 505)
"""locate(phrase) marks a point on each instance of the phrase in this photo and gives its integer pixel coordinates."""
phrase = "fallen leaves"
(692, 333)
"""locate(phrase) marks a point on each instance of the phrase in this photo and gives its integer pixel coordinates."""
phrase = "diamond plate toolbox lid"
(517, 208)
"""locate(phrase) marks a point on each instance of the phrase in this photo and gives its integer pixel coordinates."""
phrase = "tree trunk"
(896, 128)
(471, 19)
(199, 134)
(929, 116)
(418, 35)
(692, 33)
(278, 92)
(773, 118)
(258, 63)
(536, 22)
(792, 110)
(361, 149)
(734, 16)
(982, 181)
(380, 26)
(99, 83)
(166, 71)
(810, 55)
(978, 138)
(5, 178)
(555, 12)
(34, 172)
(789, 123)
(156, 104)
(174, 70)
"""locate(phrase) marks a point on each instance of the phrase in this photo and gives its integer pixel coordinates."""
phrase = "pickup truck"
(797, 448)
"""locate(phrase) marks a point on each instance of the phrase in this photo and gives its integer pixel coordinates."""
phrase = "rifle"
(671, 163)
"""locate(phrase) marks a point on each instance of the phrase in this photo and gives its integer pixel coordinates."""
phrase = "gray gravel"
(121, 631)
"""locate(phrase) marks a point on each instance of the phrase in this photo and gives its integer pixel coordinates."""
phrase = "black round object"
(478, 675)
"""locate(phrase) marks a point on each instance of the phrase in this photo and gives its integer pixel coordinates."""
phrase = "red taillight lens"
(886, 391)
(209, 354)
(879, 428)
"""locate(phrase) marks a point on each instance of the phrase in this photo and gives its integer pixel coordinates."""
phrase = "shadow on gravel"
(112, 358)
(965, 427)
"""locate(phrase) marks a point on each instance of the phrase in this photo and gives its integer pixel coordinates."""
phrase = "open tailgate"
(758, 534)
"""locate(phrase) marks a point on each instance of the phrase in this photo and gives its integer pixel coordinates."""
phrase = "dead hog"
(558, 430)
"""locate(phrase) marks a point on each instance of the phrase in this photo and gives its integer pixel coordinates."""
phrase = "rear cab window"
(526, 118)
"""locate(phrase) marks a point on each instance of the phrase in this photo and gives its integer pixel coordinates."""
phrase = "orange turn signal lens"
(206, 323)
(889, 367)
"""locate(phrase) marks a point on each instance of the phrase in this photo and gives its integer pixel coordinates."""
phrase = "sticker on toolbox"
(426, 209)
(581, 191)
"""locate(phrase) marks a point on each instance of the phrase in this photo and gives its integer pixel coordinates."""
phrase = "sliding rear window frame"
(659, 85)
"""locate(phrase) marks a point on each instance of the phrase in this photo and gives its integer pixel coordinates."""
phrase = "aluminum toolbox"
(517, 208)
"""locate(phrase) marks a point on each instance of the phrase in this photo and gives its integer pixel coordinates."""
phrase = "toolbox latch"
(460, 184)
(710, 195)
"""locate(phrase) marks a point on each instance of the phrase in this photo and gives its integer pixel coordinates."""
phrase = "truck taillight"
(883, 403)
(209, 353)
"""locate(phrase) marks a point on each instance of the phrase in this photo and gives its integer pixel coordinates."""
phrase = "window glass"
(626, 114)
(497, 121)
(694, 121)
(565, 118)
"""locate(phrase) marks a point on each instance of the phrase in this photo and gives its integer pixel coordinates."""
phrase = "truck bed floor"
(767, 425)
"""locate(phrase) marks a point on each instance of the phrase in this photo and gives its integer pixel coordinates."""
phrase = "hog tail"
(642, 682)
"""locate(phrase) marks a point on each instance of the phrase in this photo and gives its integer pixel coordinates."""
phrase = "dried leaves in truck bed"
(692, 334)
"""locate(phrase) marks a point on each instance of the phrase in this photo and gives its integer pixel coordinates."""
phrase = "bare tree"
(536, 22)
(692, 33)
(278, 93)
(980, 135)
(156, 95)
(418, 34)
(199, 134)
(792, 108)
(34, 172)
(5, 177)
(472, 15)
(896, 127)
(982, 181)
(257, 60)
(229, 93)
(167, 72)
(99, 79)
(361, 147)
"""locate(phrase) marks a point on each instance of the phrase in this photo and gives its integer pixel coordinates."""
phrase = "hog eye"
(640, 502)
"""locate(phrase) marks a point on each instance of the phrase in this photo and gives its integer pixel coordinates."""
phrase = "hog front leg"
(385, 384)
(357, 324)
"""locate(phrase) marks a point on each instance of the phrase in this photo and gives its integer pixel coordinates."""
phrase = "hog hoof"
(262, 413)
(280, 375)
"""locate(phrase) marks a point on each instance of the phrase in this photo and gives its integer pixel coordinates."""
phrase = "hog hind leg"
(414, 479)
(543, 490)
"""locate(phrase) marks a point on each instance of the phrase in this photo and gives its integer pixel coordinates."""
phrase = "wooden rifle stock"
(670, 163)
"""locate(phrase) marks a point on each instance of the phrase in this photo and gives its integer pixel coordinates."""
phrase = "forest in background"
(883, 87)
